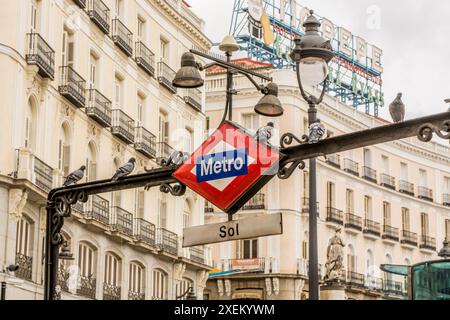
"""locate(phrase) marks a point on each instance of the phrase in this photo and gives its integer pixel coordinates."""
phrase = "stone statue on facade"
(17, 201)
(335, 256)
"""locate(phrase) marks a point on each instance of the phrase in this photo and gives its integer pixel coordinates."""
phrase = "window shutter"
(66, 160)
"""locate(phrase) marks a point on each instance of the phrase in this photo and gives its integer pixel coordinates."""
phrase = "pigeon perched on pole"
(264, 134)
(124, 170)
(74, 177)
(397, 109)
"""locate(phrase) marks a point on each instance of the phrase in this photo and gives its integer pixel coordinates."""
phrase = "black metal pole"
(313, 272)
(51, 254)
(3, 295)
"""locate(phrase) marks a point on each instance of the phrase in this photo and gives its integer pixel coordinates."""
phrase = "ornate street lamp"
(311, 55)
(189, 77)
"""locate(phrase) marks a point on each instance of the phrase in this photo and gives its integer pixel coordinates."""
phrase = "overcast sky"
(414, 35)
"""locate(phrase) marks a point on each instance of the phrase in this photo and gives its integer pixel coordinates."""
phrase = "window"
(141, 30)
(250, 122)
(385, 164)
(349, 201)
(64, 150)
(424, 226)
(112, 270)
(30, 126)
(159, 285)
(305, 247)
(367, 158)
(140, 203)
(423, 180)
(140, 111)
(116, 195)
(187, 215)
(447, 229)
(351, 259)
(183, 287)
(330, 195)
(91, 162)
(306, 184)
(249, 249)
(446, 185)
(119, 9)
(68, 48)
(118, 92)
(34, 14)
(208, 124)
(164, 50)
(163, 128)
(93, 71)
(23, 237)
(86, 260)
(136, 281)
(370, 263)
(162, 217)
(405, 219)
(368, 208)
(403, 171)
(387, 213)
(188, 140)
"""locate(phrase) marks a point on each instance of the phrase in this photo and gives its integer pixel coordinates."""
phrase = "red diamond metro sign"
(229, 168)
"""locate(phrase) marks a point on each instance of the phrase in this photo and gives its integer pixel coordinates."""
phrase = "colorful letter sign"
(229, 168)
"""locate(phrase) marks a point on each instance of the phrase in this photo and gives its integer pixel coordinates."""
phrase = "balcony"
(427, 243)
(256, 203)
(167, 241)
(355, 279)
(409, 237)
(335, 216)
(425, 194)
(43, 175)
(145, 58)
(334, 160)
(387, 181)
(41, 55)
(99, 14)
(390, 233)
(97, 208)
(374, 283)
(406, 187)
(163, 151)
(372, 227)
(122, 37)
(193, 97)
(391, 287)
(197, 254)
(80, 3)
(249, 265)
(88, 287)
(145, 142)
(72, 86)
(99, 108)
(351, 167)
(209, 208)
(165, 76)
(305, 206)
(122, 126)
(111, 292)
(25, 264)
(121, 221)
(136, 295)
(353, 221)
(369, 174)
(446, 199)
(144, 231)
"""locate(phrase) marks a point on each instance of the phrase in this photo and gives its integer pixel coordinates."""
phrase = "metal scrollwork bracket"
(426, 131)
(288, 138)
(177, 189)
(288, 168)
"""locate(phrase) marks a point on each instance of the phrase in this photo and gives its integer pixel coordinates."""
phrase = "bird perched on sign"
(74, 177)
(124, 170)
(317, 132)
(397, 109)
(264, 134)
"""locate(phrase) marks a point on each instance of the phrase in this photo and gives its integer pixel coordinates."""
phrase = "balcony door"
(34, 16)
(405, 219)
(349, 201)
(367, 158)
(249, 249)
(385, 165)
(331, 195)
(93, 71)
(424, 224)
(68, 48)
(367, 208)
(403, 171)
(387, 213)
(163, 128)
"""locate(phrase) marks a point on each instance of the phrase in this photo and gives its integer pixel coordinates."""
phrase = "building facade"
(390, 202)
(89, 82)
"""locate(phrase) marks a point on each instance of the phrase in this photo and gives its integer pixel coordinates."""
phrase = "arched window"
(160, 285)
(187, 214)
(370, 264)
(31, 125)
(112, 279)
(91, 164)
(136, 281)
(183, 286)
(64, 149)
(351, 259)
(87, 265)
(24, 248)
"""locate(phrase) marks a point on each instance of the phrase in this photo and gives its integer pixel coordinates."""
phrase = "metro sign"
(229, 168)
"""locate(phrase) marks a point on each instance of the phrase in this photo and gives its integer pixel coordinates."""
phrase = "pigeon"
(124, 170)
(317, 132)
(264, 134)
(397, 109)
(74, 177)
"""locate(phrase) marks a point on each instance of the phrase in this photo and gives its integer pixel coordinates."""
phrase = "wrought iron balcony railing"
(193, 97)
(98, 11)
(374, 283)
(334, 160)
(391, 287)
(369, 174)
(72, 86)
(43, 175)
(390, 233)
(427, 242)
(99, 108)
(136, 295)
(336, 216)
(63, 277)
(256, 203)
(25, 264)
(446, 199)
(163, 151)
(165, 76)
(144, 231)
(122, 37)
(409, 237)
(167, 241)
(111, 292)
(145, 58)
(351, 167)
(303, 268)
(372, 227)
(97, 208)
(425, 193)
(41, 55)
(209, 208)
(88, 287)
(355, 279)
(122, 126)
(197, 254)
(305, 206)
(387, 181)
(145, 142)
(80, 3)
(353, 221)
(122, 221)
(406, 187)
